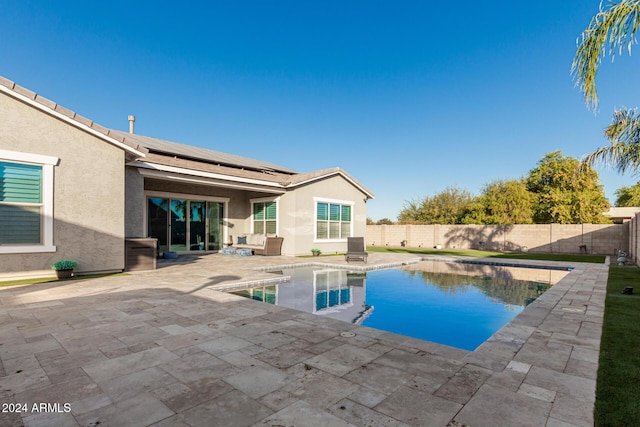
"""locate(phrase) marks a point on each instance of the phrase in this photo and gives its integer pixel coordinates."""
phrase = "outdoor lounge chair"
(355, 249)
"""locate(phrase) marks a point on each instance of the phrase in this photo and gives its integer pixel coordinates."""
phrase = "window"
(333, 220)
(26, 202)
(265, 217)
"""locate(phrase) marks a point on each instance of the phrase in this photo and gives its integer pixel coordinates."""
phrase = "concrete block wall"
(600, 239)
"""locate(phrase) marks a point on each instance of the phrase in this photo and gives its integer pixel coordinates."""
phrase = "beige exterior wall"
(297, 215)
(134, 203)
(604, 239)
(88, 192)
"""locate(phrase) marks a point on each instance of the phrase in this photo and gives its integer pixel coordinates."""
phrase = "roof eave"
(51, 108)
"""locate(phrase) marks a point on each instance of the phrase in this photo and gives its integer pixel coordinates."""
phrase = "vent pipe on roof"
(132, 120)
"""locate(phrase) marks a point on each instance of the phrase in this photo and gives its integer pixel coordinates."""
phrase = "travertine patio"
(164, 348)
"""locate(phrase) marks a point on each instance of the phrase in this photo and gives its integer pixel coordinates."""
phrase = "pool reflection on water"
(455, 304)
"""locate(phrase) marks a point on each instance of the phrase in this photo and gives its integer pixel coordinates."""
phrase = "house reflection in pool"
(339, 294)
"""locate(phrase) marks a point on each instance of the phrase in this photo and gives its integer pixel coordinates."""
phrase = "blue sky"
(410, 97)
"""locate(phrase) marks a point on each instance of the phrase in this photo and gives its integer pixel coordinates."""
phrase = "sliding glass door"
(182, 225)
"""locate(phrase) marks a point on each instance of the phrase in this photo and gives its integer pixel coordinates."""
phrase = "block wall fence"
(634, 239)
(597, 239)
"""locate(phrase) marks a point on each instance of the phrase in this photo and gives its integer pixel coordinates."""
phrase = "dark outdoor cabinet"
(140, 254)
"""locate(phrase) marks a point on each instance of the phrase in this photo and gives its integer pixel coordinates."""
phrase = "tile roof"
(190, 152)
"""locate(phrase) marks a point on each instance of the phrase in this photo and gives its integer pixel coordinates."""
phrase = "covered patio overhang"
(191, 176)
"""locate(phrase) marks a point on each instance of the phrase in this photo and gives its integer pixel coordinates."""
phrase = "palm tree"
(611, 30)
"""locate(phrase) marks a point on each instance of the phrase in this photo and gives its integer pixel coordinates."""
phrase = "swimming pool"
(459, 305)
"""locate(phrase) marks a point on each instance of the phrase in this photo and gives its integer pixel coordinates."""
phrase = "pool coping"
(542, 355)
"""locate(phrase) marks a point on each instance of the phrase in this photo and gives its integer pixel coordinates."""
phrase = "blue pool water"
(460, 307)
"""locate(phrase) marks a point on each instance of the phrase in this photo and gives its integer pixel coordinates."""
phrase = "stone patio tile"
(552, 422)
(175, 329)
(341, 360)
(508, 379)
(417, 408)
(21, 350)
(173, 421)
(552, 356)
(19, 364)
(579, 368)
(320, 388)
(140, 334)
(464, 384)
(271, 339)
(278, 400)
(379, 378)
(589, 343)
(257, 381)
(178, 397)
(571, 410)
(197, 366)
(577, 387)
(47, 419)
(537, 392)
(357, 414)
(590, 330)
(175, 342)
(126, 386)
(302, 414)
(495, 406)
(111, 368)
(25, 380)
(246, 329)
(285, 356)
(585, 354)
(241, 360)
(140, 410)
(311, 333)
(423, 364)
(67, 392)
(224, 345)
(367, 397)
(231, 409)
(90, 403)
(485, 359)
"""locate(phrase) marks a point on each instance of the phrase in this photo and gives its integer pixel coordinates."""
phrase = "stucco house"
(72, 189)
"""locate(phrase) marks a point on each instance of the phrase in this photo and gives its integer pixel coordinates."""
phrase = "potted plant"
(64, 268)
(315, 252)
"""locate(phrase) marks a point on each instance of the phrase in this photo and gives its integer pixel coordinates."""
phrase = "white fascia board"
(47, 110)
(207, 178)
(355, 184)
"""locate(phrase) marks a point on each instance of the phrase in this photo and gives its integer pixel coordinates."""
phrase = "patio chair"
(355, 249)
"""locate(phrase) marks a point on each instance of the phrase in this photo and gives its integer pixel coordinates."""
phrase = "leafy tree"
(446, 207)
(628, 196)
(611, 30)
(370, 221)
(566, 194)
(384, 221)
(502, 202)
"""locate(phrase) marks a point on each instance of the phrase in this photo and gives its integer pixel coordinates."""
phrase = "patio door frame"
(189, 198)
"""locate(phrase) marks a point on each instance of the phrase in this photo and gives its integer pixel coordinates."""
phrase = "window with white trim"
(333, 220)
(265, 217)
(26, 202)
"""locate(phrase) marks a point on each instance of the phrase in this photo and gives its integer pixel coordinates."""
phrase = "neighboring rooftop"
(621, 214)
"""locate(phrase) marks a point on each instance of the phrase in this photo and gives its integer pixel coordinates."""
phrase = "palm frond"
(624, 136)
(614, 28)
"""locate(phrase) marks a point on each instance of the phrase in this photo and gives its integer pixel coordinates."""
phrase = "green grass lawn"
(54, 279)
(618, 388)
(487, 254)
